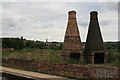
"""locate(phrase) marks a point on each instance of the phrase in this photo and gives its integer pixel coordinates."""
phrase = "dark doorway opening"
(75, 56)
(98, 58)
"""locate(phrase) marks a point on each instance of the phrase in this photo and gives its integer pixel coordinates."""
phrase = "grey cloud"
(8, 23)
(34, 18)
(83, 23)
(108, 7)
(36, 11)
(48, 26)
(105, 22)
(49, 18)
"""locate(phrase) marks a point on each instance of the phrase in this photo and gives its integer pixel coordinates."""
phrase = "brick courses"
(68, 70)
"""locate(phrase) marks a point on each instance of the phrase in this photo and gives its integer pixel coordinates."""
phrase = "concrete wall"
(69, 70)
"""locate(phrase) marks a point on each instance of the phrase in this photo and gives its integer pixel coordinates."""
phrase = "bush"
(15, 43)
(113, 57)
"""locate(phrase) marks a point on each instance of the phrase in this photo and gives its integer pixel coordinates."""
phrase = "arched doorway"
(75, 56)
(98, 58)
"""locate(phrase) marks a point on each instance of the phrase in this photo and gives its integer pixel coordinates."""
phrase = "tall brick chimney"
(95, 51)
(72, 47)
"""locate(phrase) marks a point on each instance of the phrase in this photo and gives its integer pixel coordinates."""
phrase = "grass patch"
(43, 55)
(49, 55)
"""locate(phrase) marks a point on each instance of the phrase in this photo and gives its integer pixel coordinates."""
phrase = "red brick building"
(72, 47)
(95, 52)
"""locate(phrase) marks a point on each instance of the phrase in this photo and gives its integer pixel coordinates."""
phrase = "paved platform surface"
(32, 75)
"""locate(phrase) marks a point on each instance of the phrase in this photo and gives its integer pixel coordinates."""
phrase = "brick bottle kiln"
(95, 51)
(72, 47)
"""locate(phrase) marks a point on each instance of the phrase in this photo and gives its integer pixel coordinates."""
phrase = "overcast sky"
(48, 20)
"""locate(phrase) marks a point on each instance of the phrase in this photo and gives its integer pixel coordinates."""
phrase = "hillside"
(49, 55)
(50, 52)
(44, 55)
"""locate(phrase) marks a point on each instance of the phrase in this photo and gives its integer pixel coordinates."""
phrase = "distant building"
(53, 44)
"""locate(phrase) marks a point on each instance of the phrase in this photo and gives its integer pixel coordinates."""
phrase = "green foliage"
(32, 44)
(49, 55)
(56, 47)
(114, 57)
(112, 45)
(15, 43)
(35, 54)
(40, 51)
